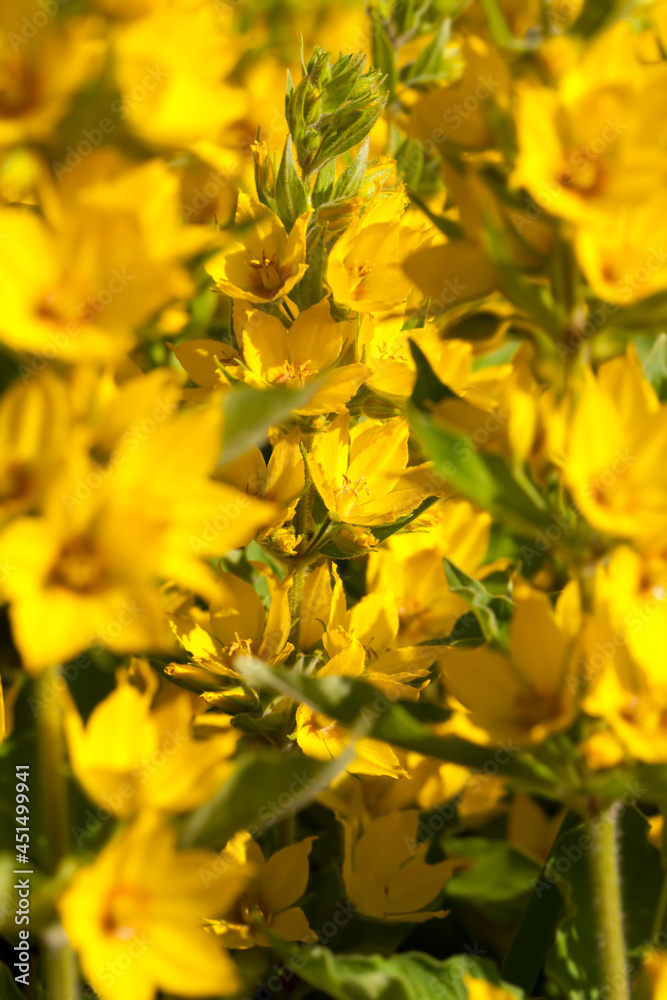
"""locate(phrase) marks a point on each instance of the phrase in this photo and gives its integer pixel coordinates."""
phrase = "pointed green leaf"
(384, 57)
(654, 364)
(291, 195)
(367, 712)
(428, 387)
(349, 182)
(493, 612)
(247, 800)
(250, 412)
(430, 63)
(324, 185)
(406, 976)
(484, 478)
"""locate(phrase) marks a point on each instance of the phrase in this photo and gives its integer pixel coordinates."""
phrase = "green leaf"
(483, 478)
(407, 976)
(310, 290)
(431, 61)
(324, 184)
(451, 229)
(499, 881)
(528, 297)
(593, 17)
(649, 313)
(368, 712)
(248, 800)
(349, 182)
(384, 57)
(428, 387)
(493, 612)
(654, 364)
(535, 933)
(291, 195)
(250, 412)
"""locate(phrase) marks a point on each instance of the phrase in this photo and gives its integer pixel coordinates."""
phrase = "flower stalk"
(608, 902)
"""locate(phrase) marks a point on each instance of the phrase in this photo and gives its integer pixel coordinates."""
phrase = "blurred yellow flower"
(135, 916)
(527, 693)
(138, 752)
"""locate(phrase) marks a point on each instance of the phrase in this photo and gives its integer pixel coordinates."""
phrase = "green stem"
(61, 966)
(608, 903)
(51, 778)
(295, 605)
(323, 527)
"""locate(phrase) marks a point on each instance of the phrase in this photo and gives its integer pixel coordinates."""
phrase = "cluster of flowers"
(332, 496)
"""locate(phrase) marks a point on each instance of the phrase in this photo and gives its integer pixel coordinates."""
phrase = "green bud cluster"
(332, 108)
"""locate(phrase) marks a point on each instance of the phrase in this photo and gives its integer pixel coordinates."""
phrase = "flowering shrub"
(333, 499)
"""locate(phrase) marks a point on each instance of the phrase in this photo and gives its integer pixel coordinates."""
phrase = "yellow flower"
(42, 68)
(280, 480)
(623, 257)
(264, 264)
(180, 96)
(202, 360)
(409, 566)
(385, 869)
(373, 623)
(527, 693)
(324, 739)
(87, 569)
(361, 474)
(460, 113)
(310, 348)
(364, 268)
(270, 893)
(631, 594)
(530, 829)
(589, 147)
(135, 916)
(481, 989)
(236, 625)
(88, 305)
(614, 454)
(138, 752)
(384, 348)
(34, 424)
(632, 703)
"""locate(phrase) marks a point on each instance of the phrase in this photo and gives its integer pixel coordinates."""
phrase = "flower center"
(123, 906)
(290, 373)
(358, 270)
(355, 488)
(268, 271)
(78, 568)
